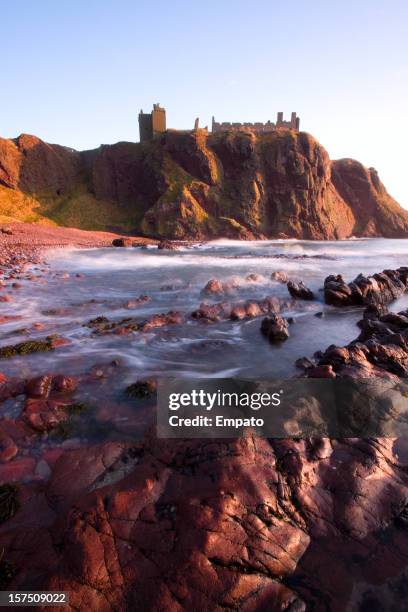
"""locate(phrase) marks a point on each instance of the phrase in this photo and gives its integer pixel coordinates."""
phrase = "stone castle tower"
(152, 124)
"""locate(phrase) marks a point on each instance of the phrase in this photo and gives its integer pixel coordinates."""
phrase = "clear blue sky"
(77, 72)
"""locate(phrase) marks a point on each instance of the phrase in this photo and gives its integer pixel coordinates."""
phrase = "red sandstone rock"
(214, 286)
(160, 320)
(8, 318)
(328, 200)
(39, 387)
(252, 309)
(240, 311)
(11, 387)
(275, 328)
(225, 520)
(18, 470)
(43, 415)
(254, 278)
(57, 342)
(280, 277)
(64, 384)
(321, 371)
(131, 304)
(8, 448)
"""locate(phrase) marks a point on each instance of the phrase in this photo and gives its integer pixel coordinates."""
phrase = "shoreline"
(25, 243)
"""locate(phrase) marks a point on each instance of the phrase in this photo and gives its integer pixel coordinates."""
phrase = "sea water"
(62, 303)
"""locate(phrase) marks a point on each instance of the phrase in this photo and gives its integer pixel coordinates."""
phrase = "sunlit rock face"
(196, 185)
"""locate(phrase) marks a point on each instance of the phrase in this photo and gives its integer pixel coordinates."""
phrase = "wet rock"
(212, 312)
(254, 278)
(8, 318)
(275, 328)
(39, 387)
(172, 287)
(213, 287)
(300, 291)
(303, 363)
(381, 349)
(122, 242)
(252, 309)
(380, 288)
(8, 448)
(161, 320)
(131, 304)
(168, 245)
(42, 470)
(44, 415)
(280, 277)
(102, 325)
(12, 387)
(321, 371)
(142, 388)
(216, 287)
(64, 384)
(238, 311)
(57, 341)
(32, 346)
(140, 502)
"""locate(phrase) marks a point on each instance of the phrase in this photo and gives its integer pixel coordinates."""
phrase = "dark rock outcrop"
(381, 349)
(380, 288)
(122, 242)
(275, 328)
(300, 291)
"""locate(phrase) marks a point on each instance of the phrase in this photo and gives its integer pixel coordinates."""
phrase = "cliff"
(198, 185)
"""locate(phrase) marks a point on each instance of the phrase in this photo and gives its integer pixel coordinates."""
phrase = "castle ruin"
(269, 126)
(152, 124)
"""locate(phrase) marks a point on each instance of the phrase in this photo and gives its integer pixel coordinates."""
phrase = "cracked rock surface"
(208, 525)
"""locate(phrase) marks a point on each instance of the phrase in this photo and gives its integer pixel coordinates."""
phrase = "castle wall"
(258, 127)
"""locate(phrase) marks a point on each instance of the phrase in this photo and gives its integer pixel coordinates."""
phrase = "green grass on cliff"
(81, 209)
(78, 209)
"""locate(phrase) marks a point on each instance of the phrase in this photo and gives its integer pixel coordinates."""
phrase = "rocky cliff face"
(198, 185)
